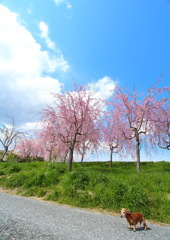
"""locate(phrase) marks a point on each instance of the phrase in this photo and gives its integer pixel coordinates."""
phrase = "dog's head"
(123, 212)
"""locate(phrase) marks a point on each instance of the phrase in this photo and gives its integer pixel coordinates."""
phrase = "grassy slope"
(95, 185)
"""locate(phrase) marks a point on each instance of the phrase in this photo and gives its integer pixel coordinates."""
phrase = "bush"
(30, 159)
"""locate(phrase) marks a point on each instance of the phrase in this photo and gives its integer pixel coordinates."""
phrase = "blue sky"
(47, 45)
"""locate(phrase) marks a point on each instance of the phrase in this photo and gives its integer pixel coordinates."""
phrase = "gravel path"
(24, 218)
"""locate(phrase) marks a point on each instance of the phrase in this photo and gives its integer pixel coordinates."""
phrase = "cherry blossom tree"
(9, 136)
(112, 132)
(48, 139)
(90, 145)
(30, 147)
(164, 136)
(161, 121)
(55, 149)
(136, 112)
(24, 148)
(75, 116)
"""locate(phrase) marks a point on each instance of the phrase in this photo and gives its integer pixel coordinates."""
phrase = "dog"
(133, 218)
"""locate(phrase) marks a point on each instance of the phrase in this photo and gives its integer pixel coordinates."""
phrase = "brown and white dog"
(133, 218)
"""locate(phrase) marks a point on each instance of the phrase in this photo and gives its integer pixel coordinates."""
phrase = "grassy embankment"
(95, 185)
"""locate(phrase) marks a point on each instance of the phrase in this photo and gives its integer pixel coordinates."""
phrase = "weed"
(53, 196)
(14, 168)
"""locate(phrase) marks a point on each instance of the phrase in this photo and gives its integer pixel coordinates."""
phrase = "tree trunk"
(70, 160)
(82, 158)
(65, 157)
(50, 154)
(137, 153)
(3, 155)
(111, 156)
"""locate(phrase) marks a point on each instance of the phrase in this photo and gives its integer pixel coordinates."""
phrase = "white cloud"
(59, 61)
(103, 87)
(68, 4)
(29, 10)
(59, 1)
(25, 69)
(45, 34)
(30, 127)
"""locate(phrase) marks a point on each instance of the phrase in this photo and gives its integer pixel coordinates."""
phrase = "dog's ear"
(127, 211)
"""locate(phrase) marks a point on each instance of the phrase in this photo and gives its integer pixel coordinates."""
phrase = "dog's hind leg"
(134, 228)
(144, 224)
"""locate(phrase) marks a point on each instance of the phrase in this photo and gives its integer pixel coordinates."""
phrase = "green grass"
(95, 185)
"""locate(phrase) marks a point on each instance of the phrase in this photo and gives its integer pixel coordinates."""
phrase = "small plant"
(97, 177)
(2, 172)
(53, 196)
(15, 168)
(137, 199)
(15, 181)
(12, 158)
(79, 179)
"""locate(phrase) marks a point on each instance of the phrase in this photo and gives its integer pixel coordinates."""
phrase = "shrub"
(30, 159)
(38, 159)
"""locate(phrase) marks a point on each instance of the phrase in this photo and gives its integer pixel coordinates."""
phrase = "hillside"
(95, 185)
